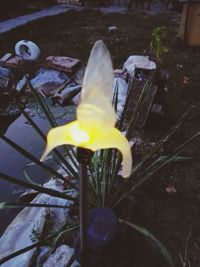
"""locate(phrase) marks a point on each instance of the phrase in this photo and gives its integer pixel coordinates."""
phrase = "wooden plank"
(193, 26)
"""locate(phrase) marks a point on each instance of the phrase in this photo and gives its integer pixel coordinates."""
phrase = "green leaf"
(148, 234)
(144, 178)
(36, 187)
(37, 244)
(174, 159)
(11, 205)
(53, 123)
(35, 160)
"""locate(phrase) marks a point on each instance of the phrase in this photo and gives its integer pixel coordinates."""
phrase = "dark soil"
(11, 8)
(172, 217)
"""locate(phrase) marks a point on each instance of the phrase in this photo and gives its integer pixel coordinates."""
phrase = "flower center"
(79, 136)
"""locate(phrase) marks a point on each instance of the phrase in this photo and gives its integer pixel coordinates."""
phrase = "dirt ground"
(172, 217)
(11, 9)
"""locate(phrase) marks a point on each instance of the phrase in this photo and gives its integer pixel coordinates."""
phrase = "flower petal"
(99, 113)
(96, 95)
(114, 139)
(99, 72)
(59, 136)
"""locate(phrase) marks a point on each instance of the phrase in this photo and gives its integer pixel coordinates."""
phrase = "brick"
(62, 63)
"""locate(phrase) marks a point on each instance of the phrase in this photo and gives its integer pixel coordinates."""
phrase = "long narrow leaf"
(35, 160)
(148, 234)
(163, 159)
(105, 180)
(38, 188)
(12, 205)
(115, 96)
(50, 118)
(124, 112)
(153, 151)
(134, 119)
(163, 164)
(163, 140)
(139, 106)
(35, 245)
(68, 168)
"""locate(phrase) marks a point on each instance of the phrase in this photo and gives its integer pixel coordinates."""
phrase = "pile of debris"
(60, 79)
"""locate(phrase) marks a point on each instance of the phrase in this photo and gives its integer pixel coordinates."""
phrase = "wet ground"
(14, 164)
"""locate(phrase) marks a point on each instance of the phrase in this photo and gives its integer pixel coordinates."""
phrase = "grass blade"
(134, 119)
(38, 244)
(50, 118)
(163, 140)
(148, 234)
(163, 164)
(35, 160)
(37, 129)
(124, 113)
(138, 109)
(155, 149)
(11, 205)
(38, 188)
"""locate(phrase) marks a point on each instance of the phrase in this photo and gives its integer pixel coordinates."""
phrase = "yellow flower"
(95, 125)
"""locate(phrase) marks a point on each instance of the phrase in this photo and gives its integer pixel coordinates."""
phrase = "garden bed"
(171, 215)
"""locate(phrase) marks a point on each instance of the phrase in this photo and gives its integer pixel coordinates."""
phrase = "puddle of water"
(12, 162)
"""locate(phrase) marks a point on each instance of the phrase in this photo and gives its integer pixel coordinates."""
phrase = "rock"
(62, 63)
(60, 257)
(137, 141)
(112, 28)
(157, 109)
(67, 94)
(170, 189)
(48, 81)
